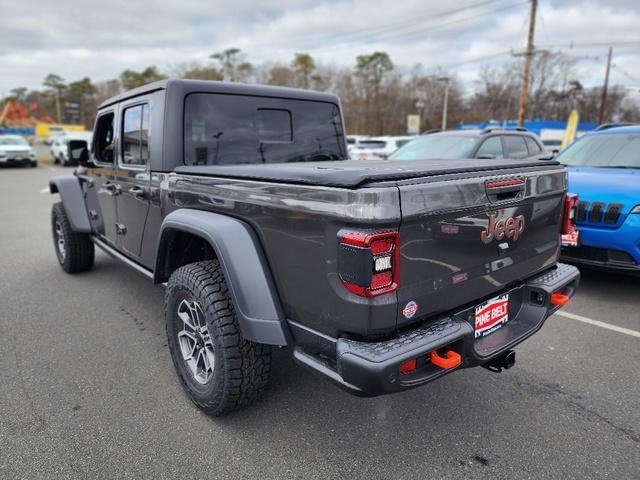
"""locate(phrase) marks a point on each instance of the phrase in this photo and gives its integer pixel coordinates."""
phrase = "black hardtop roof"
(207, 86)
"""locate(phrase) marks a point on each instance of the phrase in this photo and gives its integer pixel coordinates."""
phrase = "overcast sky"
(100, 39)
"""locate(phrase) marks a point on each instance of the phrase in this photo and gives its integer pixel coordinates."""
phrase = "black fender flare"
(244, 264)
(72, 197)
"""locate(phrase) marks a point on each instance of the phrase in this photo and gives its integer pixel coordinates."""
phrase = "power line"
(367, 32)
(412, 33)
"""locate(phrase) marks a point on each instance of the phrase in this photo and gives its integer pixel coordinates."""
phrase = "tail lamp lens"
(368, 263)
(569, 214)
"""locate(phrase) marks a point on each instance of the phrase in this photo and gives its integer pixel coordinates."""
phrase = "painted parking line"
(598, 323)
(45, 190)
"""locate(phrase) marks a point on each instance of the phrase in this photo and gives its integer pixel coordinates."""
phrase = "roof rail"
(502, 129)
(433, 130)
(607, 126)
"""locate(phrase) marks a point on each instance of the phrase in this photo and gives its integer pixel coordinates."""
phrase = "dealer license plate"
(570, 239)
(492, 315)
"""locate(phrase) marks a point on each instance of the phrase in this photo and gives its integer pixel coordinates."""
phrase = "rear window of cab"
(224, 129)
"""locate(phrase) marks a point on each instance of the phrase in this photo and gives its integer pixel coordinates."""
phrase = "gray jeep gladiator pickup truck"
(381, 275)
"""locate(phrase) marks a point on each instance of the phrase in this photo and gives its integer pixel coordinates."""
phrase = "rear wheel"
(75, 251)
(220, 370)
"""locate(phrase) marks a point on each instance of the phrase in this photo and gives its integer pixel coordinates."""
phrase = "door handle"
(112, 188)
(138, 192)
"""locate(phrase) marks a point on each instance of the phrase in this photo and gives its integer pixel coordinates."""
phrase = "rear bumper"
(373, 368)
(12, 162)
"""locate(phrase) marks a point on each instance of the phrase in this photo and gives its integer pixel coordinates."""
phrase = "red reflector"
(408, 366)
(381, 246)
(380, 280)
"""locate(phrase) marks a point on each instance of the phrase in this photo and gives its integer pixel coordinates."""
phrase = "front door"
(101, 199)
(133, 176)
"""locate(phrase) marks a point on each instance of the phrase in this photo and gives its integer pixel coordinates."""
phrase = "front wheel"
(75, 251)
(220, 370)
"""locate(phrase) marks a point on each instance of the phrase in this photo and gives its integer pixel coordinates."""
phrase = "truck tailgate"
(464, 240)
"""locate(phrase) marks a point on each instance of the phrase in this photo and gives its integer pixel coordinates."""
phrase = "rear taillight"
(569, 213)
(369, 263)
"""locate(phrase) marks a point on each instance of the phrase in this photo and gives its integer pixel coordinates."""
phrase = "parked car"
(59, 146)
(378, 147)
(354, 140)
(604, 170)
(15, 150)
(265, 235)
(490, 143)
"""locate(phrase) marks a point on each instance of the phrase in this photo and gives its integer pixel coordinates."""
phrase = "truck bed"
(355, 173)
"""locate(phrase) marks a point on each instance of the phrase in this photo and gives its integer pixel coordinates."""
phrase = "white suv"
(377, 148)
(59, 146)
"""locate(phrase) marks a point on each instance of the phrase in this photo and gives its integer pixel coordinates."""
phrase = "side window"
(532, 145)
(514, 146)
(491, 146)
(103, 139)
(135, 135)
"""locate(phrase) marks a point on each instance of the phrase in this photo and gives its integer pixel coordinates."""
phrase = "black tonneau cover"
(354, 173)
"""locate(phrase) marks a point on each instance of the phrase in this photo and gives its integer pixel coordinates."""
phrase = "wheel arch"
(236, 246)
(72, 197)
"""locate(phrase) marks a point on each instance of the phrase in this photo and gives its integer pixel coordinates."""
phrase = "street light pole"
(445, 107)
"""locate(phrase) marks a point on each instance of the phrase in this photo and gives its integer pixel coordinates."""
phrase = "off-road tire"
(241, 367)
(79, 251)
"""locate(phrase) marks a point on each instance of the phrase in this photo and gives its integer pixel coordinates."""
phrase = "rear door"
(133, 176)
(467, 238)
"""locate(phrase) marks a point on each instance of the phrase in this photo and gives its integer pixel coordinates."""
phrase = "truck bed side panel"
(298, 227)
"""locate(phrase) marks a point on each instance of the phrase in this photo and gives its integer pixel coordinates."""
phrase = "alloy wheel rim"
(195, 342)
(62, 248)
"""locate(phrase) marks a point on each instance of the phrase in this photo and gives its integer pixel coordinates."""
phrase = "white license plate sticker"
(492, 315)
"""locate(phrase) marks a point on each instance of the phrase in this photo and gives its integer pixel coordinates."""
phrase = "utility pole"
(524, 86)
(603, 100)
(445, 107)
(58, 105)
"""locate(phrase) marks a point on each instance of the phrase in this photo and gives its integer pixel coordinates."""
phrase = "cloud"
(100, 39)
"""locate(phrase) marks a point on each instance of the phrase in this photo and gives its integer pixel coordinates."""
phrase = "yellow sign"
(46, 129)
(571, 131)
(413, 124)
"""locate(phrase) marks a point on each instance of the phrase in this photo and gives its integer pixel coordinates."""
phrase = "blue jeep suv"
(604, 170)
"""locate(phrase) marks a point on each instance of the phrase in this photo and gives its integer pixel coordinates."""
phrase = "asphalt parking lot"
(88, 390)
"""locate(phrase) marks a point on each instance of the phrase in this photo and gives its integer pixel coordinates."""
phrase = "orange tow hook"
(559, 299)
(452, 359)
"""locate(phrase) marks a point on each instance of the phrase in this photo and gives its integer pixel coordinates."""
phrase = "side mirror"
(486, 156)
(78, 151)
